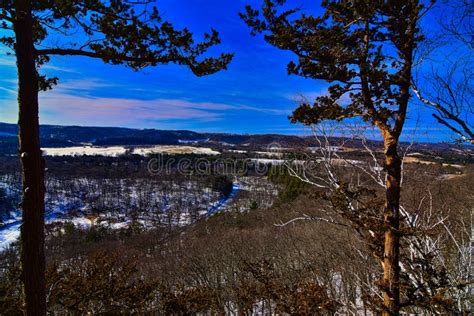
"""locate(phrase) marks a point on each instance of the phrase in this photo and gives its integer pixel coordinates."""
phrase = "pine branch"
(6, 17)
(118, 57)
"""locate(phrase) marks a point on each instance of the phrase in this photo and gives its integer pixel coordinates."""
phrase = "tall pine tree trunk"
(391, 256)
(32, 230)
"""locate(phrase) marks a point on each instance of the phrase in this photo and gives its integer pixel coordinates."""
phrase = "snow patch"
(173, 150)
(111, 151)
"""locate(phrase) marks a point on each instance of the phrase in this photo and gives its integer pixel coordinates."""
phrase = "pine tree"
(131, 33)
(365, 50)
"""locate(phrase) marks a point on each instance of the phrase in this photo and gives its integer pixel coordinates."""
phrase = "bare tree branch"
(311, 218)
(464, 132)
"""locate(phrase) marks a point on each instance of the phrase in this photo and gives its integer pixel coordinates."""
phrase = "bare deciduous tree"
(447, 88)
(432, 279)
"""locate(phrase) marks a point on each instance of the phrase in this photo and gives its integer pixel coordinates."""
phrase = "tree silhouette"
(131, 33)
(365, 49)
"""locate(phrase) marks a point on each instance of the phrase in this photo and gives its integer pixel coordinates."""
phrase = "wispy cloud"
(11, 82)
(272, 111)
(89, 85)
(132, 112)
(10, 61)
(83, 85)
(74, 101)
(76, 98)
(59, 69)
(7, 61)
(12, 91)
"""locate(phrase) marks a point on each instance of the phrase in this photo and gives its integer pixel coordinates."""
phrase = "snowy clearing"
(113, 151)
(110, 151)
(178, 204)
(174, 150)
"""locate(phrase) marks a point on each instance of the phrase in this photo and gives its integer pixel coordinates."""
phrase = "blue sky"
(255, 95)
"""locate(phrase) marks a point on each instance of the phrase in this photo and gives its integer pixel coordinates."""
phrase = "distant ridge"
(68, 136)
(63, 136)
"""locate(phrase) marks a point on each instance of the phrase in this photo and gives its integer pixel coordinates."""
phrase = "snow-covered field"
(277, 162)
(110, 151)
(173, 150)
(113, 151)
(237, 151)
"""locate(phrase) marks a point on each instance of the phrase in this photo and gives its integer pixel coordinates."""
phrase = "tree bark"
(391, 256)
(32, 230)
